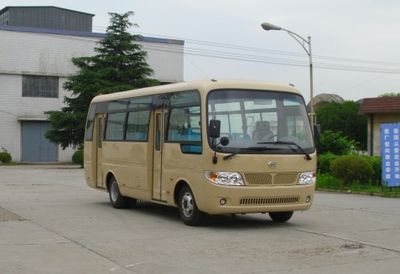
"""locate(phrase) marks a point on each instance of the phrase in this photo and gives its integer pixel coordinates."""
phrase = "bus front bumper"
(245, 199)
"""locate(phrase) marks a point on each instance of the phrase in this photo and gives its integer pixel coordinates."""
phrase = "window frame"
(278, 110)
(54, 94)
(90, 118)
(106, 127)
(154, 103)
(148, 126)
(184, 144)
(105, 108)
(182, 106)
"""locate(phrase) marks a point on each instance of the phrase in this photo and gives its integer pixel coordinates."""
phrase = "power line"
(379, 66)
(271, 60)
(279, 52)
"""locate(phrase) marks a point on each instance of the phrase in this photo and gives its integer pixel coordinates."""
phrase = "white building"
(34, 65)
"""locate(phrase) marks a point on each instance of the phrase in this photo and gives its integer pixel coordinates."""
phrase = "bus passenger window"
(115, 126)
(89, 123)
(137, 126)
(184, 124)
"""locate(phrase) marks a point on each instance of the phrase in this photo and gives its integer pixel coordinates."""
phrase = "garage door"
(35, 146)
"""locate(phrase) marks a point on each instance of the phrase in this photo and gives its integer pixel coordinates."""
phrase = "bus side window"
(184, 124)
(137, 125)
(89, 123)
(115, 126)
(100, 133)
(184, 127)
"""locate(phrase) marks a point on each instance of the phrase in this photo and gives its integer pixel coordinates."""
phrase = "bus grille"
(285, 179)
(269, 179)
(258, 178)
(269, 201)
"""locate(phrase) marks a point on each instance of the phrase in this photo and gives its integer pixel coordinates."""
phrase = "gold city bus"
(206, 147)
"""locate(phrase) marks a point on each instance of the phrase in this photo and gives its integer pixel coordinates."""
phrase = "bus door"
(98, 146)
(160, 116)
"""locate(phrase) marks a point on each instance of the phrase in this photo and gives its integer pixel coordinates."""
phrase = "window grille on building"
(39, 86)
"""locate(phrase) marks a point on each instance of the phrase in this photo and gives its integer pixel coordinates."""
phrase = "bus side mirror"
(214, 131)
(224, 141)
(215, 128)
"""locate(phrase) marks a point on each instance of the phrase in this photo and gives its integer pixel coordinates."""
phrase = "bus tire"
(188, 210)
(281, 217)
(116, 199)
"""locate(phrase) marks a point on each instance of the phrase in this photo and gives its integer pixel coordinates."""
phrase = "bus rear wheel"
(188, 210)
(116, 199)
(281, 217)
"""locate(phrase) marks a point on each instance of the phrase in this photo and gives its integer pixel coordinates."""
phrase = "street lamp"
(303, 42)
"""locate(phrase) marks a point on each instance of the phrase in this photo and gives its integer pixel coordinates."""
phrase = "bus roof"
(198, 85)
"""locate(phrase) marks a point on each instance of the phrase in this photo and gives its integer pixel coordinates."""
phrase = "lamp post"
(303, 42)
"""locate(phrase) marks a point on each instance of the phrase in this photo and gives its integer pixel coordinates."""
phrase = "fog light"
(308, 199)
(222, 201)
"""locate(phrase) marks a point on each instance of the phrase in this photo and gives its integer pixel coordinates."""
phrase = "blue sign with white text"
(390, 151)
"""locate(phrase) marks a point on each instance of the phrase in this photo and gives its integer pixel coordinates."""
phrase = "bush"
(77, 157)
(335, 143)
(376, 164)
(5, 157)
(352, 169)
(324, 162)
(327, 181)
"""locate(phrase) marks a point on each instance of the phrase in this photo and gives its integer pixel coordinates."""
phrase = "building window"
(39, 86)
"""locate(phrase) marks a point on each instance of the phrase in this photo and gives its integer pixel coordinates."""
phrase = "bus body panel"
(88, 161)
(179, 167)
(129, 163)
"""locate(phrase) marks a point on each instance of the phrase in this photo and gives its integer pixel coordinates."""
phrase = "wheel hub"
(114, 191)
(187, 205)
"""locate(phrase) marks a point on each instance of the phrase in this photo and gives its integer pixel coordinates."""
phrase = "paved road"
(51, 222)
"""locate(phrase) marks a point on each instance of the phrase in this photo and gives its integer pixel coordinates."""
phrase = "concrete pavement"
(51, 222)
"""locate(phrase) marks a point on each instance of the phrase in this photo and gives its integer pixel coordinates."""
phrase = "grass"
(9, 164)
(328, 182)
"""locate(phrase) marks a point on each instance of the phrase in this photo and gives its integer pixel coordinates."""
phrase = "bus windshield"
(258, 121)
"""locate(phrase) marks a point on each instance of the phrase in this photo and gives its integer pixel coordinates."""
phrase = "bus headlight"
(224, 178)
(307, 178)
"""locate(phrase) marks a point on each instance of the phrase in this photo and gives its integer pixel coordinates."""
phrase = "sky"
(355, 43)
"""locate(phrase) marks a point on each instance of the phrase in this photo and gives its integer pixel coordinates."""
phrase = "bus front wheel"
(188, 210)
(281, 217)
(116, 199)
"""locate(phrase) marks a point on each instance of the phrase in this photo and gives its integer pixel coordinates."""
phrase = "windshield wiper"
(245, 149)
(308, 157)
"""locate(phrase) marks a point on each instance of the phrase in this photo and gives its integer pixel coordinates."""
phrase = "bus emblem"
(272, 164)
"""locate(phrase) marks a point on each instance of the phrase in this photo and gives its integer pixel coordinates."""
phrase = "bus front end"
(262, 157)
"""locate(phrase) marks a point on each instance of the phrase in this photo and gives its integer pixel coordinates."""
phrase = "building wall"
(41, 54)
(377, 120)
(10, 132)
(29, 53)
(14, 108)
(50, 54)
(166, 60)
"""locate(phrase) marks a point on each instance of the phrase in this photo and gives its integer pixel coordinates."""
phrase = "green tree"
(120, 64)
(335, 143)
(390, 94)
(344, 118)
